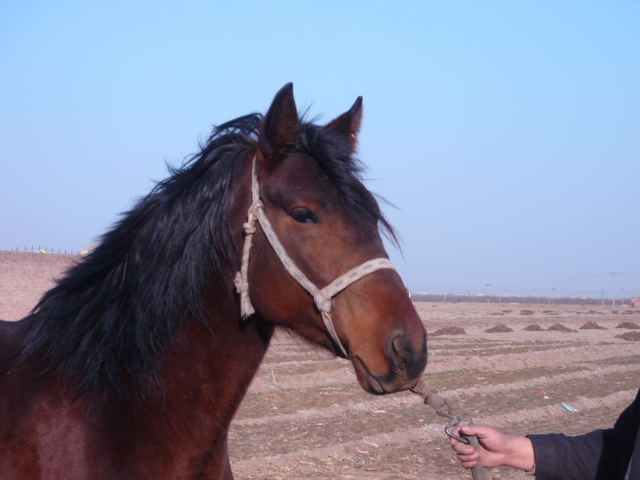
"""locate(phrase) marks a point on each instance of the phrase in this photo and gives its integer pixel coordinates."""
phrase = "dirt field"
(306, 416)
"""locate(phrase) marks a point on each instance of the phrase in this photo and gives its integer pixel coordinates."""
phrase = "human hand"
(495, 448)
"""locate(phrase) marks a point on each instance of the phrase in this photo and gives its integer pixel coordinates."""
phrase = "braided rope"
(321, 297)
(241, 280)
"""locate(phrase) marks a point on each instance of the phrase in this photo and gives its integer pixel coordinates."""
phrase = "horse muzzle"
(405, 366)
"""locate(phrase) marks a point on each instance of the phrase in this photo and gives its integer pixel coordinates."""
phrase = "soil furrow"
(378, 403)
(342, 373)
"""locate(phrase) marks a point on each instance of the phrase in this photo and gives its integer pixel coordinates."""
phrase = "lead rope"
(321, 297)
(436, 402)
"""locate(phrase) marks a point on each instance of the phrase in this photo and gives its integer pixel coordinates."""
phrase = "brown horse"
(134, 364)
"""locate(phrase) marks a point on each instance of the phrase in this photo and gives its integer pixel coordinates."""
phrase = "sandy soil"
(305, 416)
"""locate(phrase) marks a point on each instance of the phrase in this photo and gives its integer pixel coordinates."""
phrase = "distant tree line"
(454, 298)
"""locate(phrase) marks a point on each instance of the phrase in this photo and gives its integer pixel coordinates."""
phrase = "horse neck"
(208, 371)
(209, 367)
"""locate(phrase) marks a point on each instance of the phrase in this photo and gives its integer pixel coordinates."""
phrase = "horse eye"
(302, 215)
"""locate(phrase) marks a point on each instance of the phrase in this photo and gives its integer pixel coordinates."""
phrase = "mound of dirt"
(557, 327)
(502, 328)
(526, 312)
(630, 336)
(591, 325)
(449, 331)
(533, 328)
(628, 325)
(550, 312)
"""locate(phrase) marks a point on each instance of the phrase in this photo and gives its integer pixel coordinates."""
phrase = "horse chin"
(394, 381)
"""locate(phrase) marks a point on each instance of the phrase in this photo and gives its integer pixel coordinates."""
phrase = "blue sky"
(505, 133)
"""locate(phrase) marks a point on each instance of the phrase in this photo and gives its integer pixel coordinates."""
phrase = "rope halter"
(321, 297)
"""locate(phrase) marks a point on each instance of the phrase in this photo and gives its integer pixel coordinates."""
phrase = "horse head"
(307, 190)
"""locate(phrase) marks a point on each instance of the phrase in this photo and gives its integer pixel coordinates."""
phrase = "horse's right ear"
(280, 125)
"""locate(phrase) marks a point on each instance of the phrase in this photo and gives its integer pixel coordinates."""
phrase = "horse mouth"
(405, 361)
(394, 381)
(366, 380)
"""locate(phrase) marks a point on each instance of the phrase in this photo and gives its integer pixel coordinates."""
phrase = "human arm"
(600, 454)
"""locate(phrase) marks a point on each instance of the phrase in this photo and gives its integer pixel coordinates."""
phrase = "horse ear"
(280, 125)
(348, 124)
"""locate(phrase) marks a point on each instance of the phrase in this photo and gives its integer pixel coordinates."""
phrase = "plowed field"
(305, 415)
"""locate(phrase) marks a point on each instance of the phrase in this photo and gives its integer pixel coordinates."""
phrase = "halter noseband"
(321, 297)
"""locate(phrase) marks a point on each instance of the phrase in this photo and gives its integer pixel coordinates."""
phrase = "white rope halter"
(321, 297)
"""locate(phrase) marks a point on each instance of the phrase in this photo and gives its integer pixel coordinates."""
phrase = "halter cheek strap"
(321, 297)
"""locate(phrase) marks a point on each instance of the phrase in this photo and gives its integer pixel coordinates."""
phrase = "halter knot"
(242, 287)
(323, 301)
(250, 225)
(240, 284)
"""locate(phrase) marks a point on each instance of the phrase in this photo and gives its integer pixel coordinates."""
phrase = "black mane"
(109, 319)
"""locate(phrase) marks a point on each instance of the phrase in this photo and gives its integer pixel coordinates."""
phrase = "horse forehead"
(299, 166)
(301, 173)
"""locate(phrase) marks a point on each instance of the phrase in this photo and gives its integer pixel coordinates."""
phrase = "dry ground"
(305, 415)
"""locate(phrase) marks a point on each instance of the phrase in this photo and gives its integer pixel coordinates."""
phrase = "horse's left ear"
(280, 125)
(348, 124)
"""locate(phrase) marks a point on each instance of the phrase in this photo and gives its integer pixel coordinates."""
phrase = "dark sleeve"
(598, 455)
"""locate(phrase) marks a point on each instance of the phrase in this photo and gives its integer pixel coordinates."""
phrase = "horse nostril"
(406, 360)
(402, 348)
